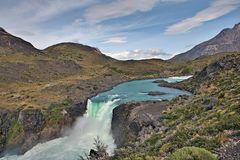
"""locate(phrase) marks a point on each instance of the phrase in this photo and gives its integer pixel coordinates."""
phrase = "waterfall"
(95, 123)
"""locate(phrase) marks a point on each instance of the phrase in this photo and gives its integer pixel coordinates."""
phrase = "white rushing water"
(97, 121)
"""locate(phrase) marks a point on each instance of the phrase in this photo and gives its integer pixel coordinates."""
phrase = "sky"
(122, 29)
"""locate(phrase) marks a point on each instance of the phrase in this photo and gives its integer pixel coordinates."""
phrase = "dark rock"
(32, 120)
(77, 110)
(227, 63)
(160, 81)
(7, 118)
(29, 142)
(135, 128)
(132, 121)
(177, 85)
(119, 125)
(156, 93)
(230, 151)
(93, 153)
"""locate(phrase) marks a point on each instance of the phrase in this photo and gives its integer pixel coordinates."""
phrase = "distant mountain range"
(228, 40)
(40, 86)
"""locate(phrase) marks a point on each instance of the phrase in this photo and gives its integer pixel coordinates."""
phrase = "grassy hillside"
(209, 119)
(62, 71)
(66, 70)
(36, 79)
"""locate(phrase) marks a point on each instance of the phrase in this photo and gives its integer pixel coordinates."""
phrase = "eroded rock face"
(77, 110)
(33, 127)
(32, 120)
(37, 130)
(228, 63)
(7, 118)
(131, 121)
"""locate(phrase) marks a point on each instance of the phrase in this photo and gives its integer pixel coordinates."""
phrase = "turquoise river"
(97, 121)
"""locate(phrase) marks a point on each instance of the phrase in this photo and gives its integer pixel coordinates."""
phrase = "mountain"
(12, 44)
(27, 72)
(39, 86)
(64, 66)
(228, 40)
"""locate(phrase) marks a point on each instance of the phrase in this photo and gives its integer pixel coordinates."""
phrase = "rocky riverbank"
(21, 129)
(208, 120)
(136, 121)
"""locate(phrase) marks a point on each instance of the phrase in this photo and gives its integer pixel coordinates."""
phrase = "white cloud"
(175, 1)
(29, 19)
(24, 19)
(35, 11)
(139, 54)
(115, 40)
(118, 8)
(217, 9)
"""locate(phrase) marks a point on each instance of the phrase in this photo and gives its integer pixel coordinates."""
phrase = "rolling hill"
(36, 78)
(40, 86)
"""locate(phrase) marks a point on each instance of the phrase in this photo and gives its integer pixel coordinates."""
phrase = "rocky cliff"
(135, 121)
(21, 130)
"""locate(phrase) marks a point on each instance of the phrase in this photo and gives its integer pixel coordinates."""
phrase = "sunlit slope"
(36, 78)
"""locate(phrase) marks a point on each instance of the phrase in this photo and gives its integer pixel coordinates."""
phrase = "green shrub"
(192, 153)
(153, 139)
(210, 143)
(165, 148)
(14, 133)
(54, 113)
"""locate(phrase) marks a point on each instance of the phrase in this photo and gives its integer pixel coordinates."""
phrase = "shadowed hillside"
(12, 44)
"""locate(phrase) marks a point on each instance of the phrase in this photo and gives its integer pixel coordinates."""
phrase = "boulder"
(134, 121)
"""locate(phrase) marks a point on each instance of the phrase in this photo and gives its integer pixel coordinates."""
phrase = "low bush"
(192, 153)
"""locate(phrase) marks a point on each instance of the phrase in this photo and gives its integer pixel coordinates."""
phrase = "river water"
(97, 121)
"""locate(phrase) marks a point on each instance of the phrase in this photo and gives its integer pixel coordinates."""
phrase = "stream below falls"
(97, 120)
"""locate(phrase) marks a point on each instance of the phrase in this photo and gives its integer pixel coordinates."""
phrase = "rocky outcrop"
(77, 110)
(227, 63)
(136, 121)
(22, 130)
(156, 93)
(228, 40)
(7, 118)
(32, 120)
(230, 151)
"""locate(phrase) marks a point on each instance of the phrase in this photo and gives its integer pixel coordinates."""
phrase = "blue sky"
(123, 29)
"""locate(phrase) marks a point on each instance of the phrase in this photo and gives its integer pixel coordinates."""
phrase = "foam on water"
(97, 121)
